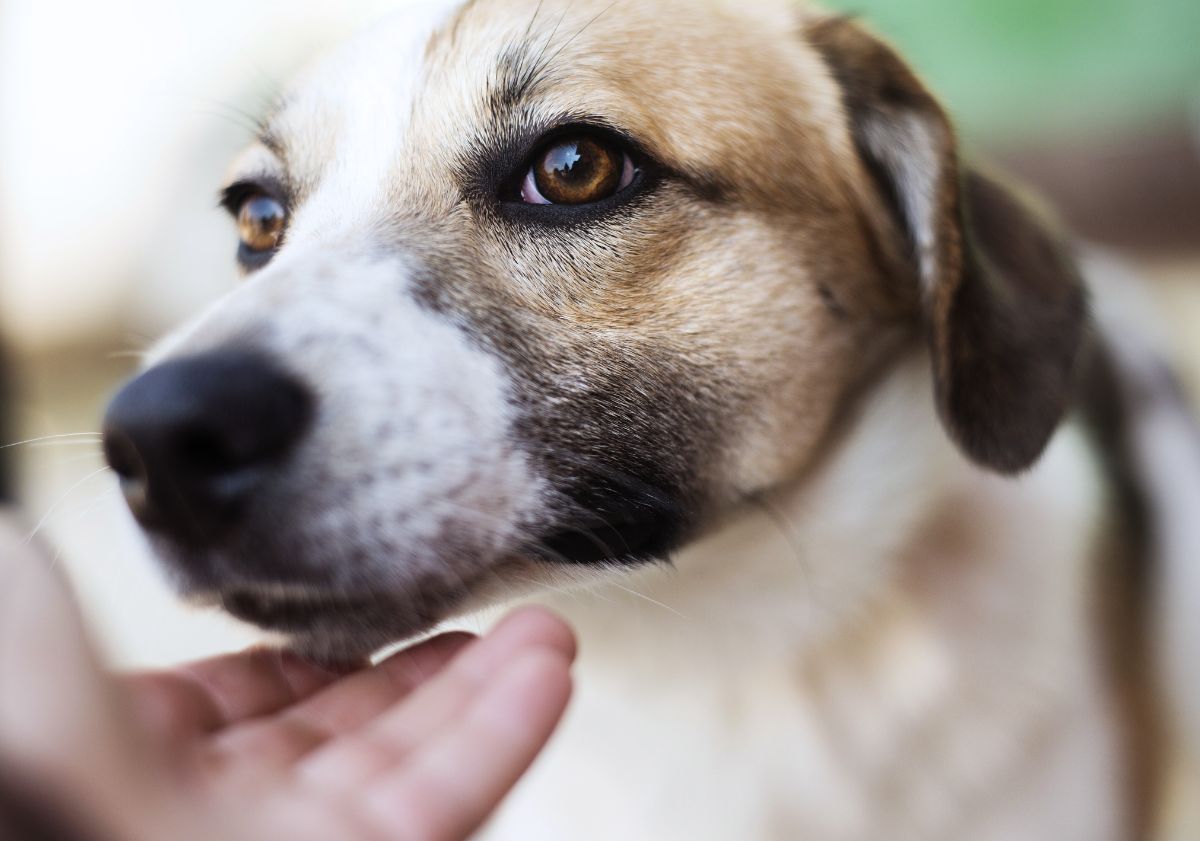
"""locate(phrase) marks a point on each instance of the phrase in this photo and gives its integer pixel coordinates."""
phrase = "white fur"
(828, 671)
(411, 442)
(907, 144)
(360, 101)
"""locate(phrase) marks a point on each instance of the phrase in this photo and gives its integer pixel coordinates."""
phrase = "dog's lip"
(287, 611)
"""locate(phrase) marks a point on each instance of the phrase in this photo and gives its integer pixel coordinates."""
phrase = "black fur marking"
(618, 427)
(524, 67)
(518, 76)
(1015, 332)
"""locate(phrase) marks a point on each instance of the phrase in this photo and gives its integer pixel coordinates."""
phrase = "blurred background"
(118, 118)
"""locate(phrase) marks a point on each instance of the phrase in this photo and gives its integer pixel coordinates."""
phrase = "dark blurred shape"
(7, 479)
(1138, 190)
(26, 815)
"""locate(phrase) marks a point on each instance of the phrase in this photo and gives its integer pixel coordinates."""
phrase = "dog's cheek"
(624, 433)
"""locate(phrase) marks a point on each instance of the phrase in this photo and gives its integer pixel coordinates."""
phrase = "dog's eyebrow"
(522, 67)
(272, 140)
(520, 71)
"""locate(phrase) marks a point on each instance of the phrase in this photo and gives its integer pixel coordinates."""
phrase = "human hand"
(262, 745)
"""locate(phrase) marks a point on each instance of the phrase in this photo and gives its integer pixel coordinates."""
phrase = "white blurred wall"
(117, 120)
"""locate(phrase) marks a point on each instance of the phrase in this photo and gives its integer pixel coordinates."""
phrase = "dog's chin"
(340, 644)
(316, 615)
(330, 629)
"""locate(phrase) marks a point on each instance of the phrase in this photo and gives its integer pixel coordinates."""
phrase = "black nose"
(193, 439)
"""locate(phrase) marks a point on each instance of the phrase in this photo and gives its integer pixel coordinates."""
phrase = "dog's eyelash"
(232, 197)
(511, 166)
(491, 173)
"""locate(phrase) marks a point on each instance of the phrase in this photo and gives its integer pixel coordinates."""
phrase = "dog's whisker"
(145, 339)
(36, 445)
(87, 508)
(58, 502)
(93, 438)
(537, 12)
(572, 592)
(229, 112)
(77, 459)
(549, 61)
(652, 601)
(780, 521)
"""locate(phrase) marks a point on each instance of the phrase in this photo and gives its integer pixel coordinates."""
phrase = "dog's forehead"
(340, 126)
(694, 80)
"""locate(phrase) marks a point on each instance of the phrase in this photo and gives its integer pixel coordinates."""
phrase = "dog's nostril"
(124, 460)
(122, 456)
(193, 439)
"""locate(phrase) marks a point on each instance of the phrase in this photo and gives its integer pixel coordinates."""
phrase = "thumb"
(61, 718)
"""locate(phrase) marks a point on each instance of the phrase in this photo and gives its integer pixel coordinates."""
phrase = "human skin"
(421, 747)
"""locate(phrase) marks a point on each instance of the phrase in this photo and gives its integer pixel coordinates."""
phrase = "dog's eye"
(577, 170)
(260, 222)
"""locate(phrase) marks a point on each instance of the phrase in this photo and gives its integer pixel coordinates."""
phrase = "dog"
(687, 319)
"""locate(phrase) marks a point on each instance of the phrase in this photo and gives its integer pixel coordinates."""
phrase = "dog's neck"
(885, 519)
(900, 622)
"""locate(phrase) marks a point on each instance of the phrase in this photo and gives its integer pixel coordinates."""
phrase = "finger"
(56, 702)
(354, 759)
(450, 786)
(355, 700)
(341, 707)
(49, 674)
(206, 696)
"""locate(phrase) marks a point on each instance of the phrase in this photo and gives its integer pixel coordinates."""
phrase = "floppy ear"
(1003, 305)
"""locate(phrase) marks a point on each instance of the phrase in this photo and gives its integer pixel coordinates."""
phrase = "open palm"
(261, 745)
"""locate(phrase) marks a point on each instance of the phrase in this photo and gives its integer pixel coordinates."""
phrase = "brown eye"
(260, 223)
(577, 170)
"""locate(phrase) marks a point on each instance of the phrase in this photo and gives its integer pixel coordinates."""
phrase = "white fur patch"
(907, 145)
(352, 111)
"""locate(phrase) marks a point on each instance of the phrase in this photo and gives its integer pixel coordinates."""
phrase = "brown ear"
(1004, 307)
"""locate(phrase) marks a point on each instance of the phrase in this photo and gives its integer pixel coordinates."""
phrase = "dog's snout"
(194, 438)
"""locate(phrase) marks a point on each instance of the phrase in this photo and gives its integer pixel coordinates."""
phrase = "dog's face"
(533, 285)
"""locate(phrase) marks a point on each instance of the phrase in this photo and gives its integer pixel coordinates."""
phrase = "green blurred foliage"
(1013, 68)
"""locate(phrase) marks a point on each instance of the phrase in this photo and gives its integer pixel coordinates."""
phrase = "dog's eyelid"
(599, 128)
(234, 195)
(642, 168)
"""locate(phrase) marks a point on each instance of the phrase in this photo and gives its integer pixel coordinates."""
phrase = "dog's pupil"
(579, 170)
(260, 222)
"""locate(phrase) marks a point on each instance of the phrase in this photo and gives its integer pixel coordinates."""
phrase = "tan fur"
(866, 635)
